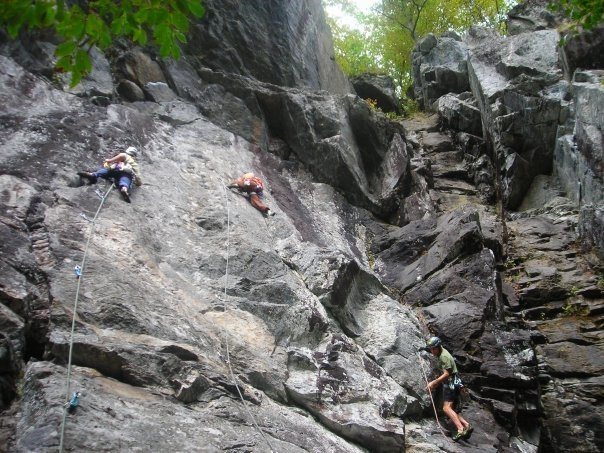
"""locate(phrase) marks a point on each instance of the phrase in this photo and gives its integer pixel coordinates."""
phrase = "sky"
(363, 5)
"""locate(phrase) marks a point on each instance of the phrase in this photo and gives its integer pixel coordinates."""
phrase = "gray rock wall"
(534, 121)
(384, 234)
(152, 320)
(282, 43)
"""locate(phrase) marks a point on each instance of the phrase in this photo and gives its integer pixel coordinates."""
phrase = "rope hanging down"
(226, 338)
(79, 271)
(421, 364)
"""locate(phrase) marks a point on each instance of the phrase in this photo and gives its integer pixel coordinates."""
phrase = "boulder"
(583, 50)
(130, 91)
(100, 80)
(379, 88)
(508, 359)
(159, 92)
(531, 15)
(458, 298)
(150, 420)
(141, 68)
(591, 229)
(533, 54)
(459, 114)
(439, 67)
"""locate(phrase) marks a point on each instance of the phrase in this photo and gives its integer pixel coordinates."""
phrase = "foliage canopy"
(80, 25)
(584, 13)
(386, 36)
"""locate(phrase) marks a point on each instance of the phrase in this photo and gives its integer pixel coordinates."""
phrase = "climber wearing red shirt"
(254, 187)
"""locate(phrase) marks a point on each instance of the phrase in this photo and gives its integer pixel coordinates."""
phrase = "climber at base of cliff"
(254, 188)
(452, 387)
(122, 168)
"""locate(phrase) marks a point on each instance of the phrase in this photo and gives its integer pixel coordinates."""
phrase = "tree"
(81, 25)
(394, 27)
(352, 52)
(419, 17)
(585, 14)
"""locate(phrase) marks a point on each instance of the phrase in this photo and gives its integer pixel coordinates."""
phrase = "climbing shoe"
(89, 176)
(458, 436)
(269, 213)
(467, 432)
(125, 194)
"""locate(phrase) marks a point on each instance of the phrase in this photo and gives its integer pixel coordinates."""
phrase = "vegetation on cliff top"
(86, 24)
(383, 38)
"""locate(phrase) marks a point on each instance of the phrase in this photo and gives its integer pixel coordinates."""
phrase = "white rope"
(73, 319)
(421, 364)
(226, 338)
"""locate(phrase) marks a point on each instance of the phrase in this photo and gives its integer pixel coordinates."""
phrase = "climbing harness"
(79, 270)
(421, 364)
(226, 339)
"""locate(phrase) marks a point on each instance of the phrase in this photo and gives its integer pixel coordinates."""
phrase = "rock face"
(543, 155)
(379, 88)
(201, 323)
(534, 120)
(439, 67)
(272, 41)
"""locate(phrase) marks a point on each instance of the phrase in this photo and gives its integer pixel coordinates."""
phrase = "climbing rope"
(226, 338)
(421, 364)
(79, 271)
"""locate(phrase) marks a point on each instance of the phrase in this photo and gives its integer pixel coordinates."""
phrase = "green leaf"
(40, 9)
(13, 29)
(29, 17)
(180, 36)
(162, 34)
(155, 17)
(49, 17)
(65, 48)
(141, 15)
(165, 49)
(180, 21)
(140, 36)
(104, 40)
(82, 61)
(93, 26)
(196, 8)
(102, 21)
(64, 63)
(76, 76)
(118, 25)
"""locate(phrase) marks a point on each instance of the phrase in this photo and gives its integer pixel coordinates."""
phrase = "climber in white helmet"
(122, 168)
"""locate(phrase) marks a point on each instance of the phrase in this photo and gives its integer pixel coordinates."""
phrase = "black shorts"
(450, 394)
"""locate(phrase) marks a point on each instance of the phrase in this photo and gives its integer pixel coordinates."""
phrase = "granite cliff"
(203, 326)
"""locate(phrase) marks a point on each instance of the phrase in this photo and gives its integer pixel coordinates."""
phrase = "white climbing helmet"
(132, 151)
